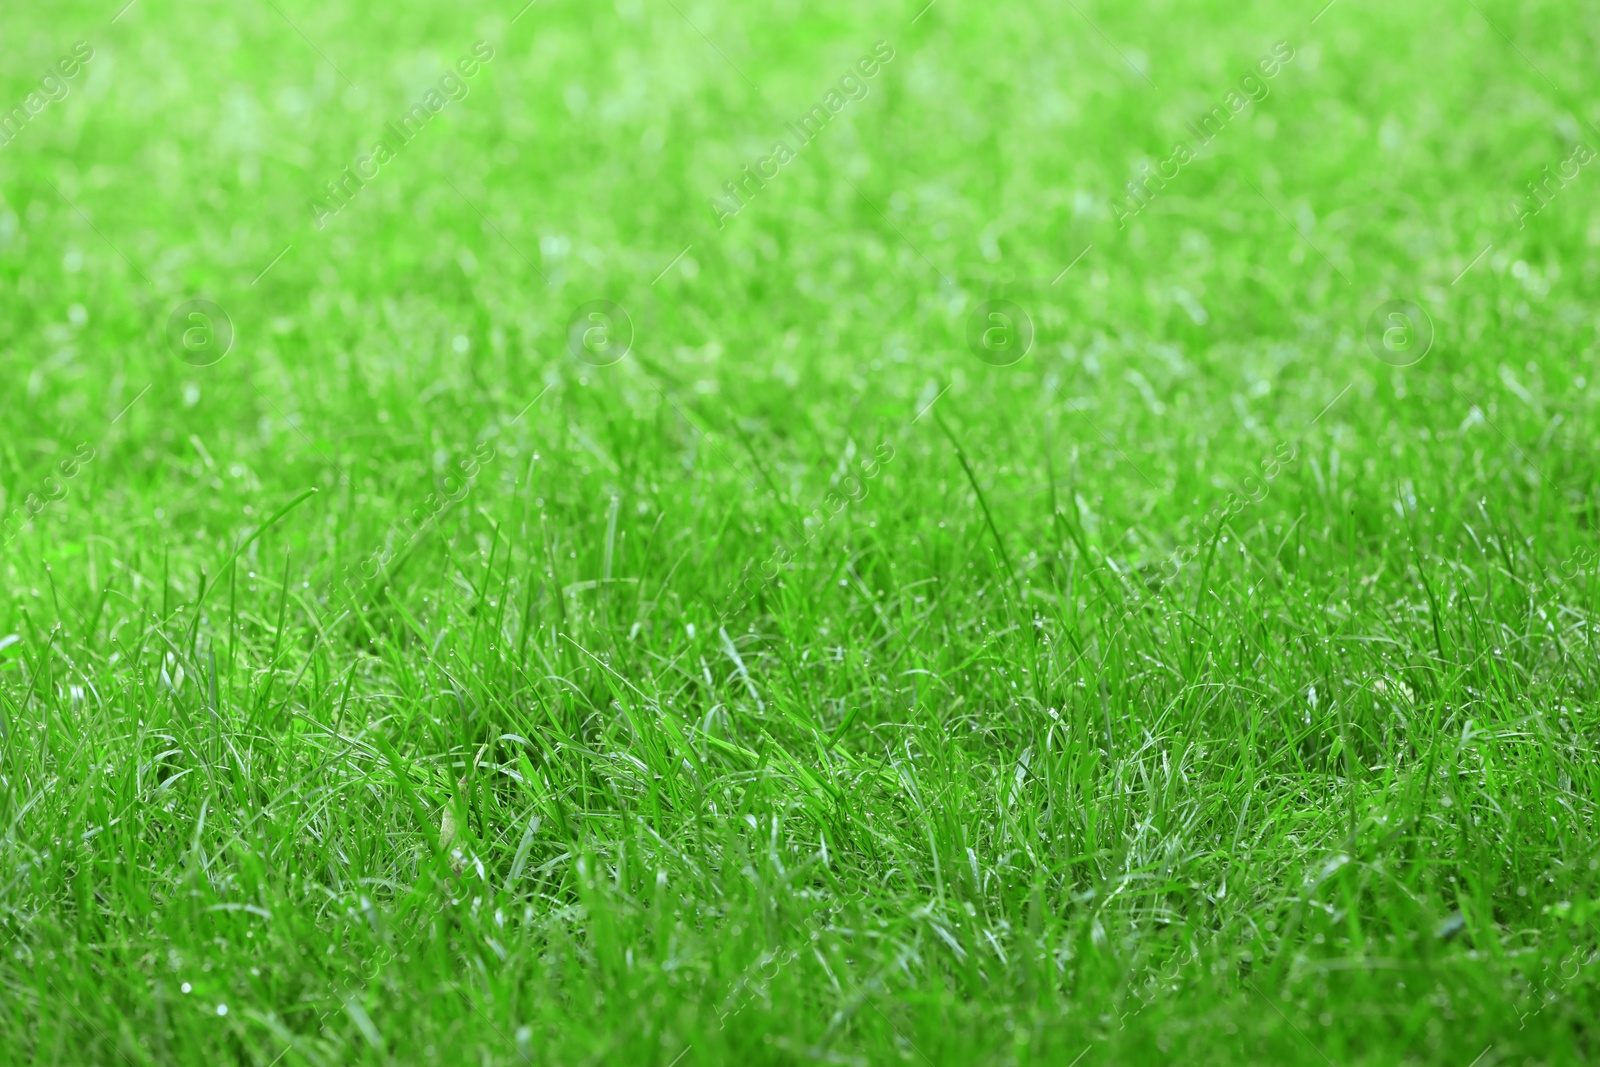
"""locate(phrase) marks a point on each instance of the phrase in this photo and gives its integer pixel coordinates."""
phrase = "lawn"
(676, 532)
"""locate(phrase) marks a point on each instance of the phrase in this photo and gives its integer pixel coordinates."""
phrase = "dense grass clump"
(1086, 555)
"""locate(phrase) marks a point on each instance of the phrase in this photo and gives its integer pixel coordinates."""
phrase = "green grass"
(1199, 688)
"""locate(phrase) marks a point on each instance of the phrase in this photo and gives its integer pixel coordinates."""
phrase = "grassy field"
(675, 532)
